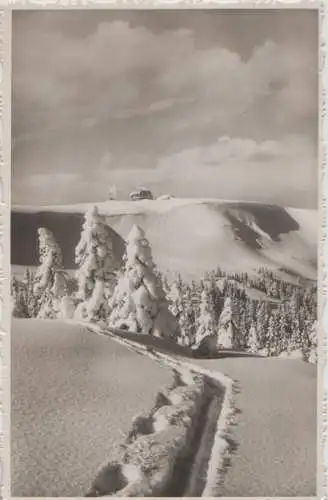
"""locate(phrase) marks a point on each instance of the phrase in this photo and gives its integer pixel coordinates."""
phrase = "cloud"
(228, 151)
(67, 78)
(87, 75)
(235, 168)
(275, 87)
(123, 99)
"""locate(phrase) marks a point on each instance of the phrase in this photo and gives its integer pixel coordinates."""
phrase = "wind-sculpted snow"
(192, 236)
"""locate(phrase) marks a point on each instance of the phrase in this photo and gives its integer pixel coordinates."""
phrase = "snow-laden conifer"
(18, 304)
(138, 301)
(226, 328)
(205, 322)
(95, 259)
(181, 307)
(49, 280)
(253, 342)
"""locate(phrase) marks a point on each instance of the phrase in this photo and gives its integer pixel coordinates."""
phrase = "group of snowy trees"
(265, 281)
(132, 297)
(215, 312)
(221, 306)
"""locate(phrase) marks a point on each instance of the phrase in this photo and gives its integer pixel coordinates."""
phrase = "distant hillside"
(187, 236)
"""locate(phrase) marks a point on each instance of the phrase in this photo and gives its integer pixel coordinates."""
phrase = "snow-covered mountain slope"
(187, 236)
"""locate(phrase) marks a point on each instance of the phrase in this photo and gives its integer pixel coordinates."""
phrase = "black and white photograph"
(164, 252)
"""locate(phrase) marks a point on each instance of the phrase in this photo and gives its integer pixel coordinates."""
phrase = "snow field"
(73, 394)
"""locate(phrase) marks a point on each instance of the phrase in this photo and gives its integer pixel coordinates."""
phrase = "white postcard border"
(6, 8)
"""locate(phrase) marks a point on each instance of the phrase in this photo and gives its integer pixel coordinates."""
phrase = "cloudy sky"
(195, 103)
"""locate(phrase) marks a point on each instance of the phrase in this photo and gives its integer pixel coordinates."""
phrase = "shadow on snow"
(167, 346)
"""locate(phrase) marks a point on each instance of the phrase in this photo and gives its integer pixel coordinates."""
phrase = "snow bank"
(296, 354)
(156, 441)
(220, 449)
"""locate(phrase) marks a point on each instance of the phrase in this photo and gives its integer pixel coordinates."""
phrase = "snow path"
(272, 448)
(73, 393)
(273, 443)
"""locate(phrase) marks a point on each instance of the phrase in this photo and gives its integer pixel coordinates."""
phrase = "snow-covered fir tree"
(50, 257)
(206, 328)
(95, 259)
(226, 327)
(270, 333)
(30, 299)
(296, 336)
(48, 275)
(282, 333)
(187, 320)
(165, 284)
(25, 304)
(295, 302)
(242, 327)
(175, 298)
(18, 305)
(271, 338)
(253, 343)
(50, 306)
(262, 321)
(215, 298)
(138, 301)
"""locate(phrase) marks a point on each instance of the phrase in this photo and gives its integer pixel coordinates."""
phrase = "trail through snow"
(272, 444)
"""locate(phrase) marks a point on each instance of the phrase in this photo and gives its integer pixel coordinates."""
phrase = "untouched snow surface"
(73, 394)
(272, 447)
